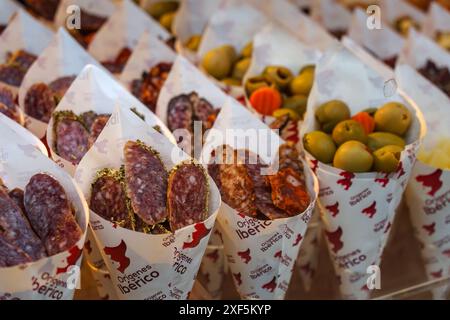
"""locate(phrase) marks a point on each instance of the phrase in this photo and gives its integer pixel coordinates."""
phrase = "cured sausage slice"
(71, 137)
(50, 214)
(108, 198)
(97, 127)
(180, 113)
(187, 195)
(11, 255)
(39, 102)
(146, 180)
(60, 86)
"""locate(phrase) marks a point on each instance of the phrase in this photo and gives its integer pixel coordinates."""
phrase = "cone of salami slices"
(147, 69)
(189, 24)
(429, 186)
(227, 38)
(144, 191)
(276, 50)
(113, 44)
(48, 79)
(359, 188)
(81, 115)
(334, 16)
(268, 198)
(43, 221)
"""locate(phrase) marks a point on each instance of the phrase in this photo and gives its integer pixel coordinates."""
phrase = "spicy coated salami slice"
(11, 75)
(71, 137)
(39, 102)
(146, 180)
(15, 228)
(11, 255)
(60, 86)
(7, 97)
(50, 213)
(180, 113)
(187, 195)
(88, 118)
(97, 127)
(288, 191)
(22, 59)
(236, 185)
(108, 198)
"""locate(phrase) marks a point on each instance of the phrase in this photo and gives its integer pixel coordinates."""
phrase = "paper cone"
(7, 9)
(148, 52)
(234, 25)
(332, 15)
(392, 10)
(168, 270)
(95, 90)
(63, 57)
(429, 186)
(356, 239)
(122, 30)
(260, 253)
(50, 278)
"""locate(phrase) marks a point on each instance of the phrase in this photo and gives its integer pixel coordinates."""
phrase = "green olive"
(166, 20)
(218, 62)
(297, 103)
(278, 75)
(386, 159)
(320, 146)
(158, 9)
(254, 83)
(443, 39)
(393, 117)
(404, 24)
(247, 51)
(377, 140)
(232, 82)
(303, 83)
(353, 156)
(240, 68)
(331, 113)
(349, 130)
(194, 42)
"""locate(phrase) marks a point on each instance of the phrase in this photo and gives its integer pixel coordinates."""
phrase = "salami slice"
(289, 157)
(15, 228)
(7, 97)
(17, 196)
(202, 108)
(60, 86)
(108, 198)
(44, 8)
(39, 102)
(71, 137)
(10, 255)
(10, 112)
(88, 118)
(180, 113)
(187, 195)
(146, 180)
(288, 191)
(91, 22)
(12, 75)
(2, 28)
(97, 127)
(22, 59)
(236, 184)
(50, 213)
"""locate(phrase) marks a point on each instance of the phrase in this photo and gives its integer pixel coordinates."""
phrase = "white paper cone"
(356, 239)
(7, 9)
(185, 78)
(438, 19)
(12, 131)
(168, 270)
(63, 57)
(331, 14)
(234, 25)
(122, 30)
(428, 187)
(261, 254)
(148, 52)
(275, 46)
(191, 19)
(308, 255)
(101, 8)
(51, 278)
(392, 10)
(384, 43)
(95, 90)
(23, 33)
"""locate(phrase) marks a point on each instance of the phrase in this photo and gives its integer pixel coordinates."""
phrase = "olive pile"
(164, 12)
(371, 140)
(225, 65)
(443, 39)
(403, 24)
(278, 92)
